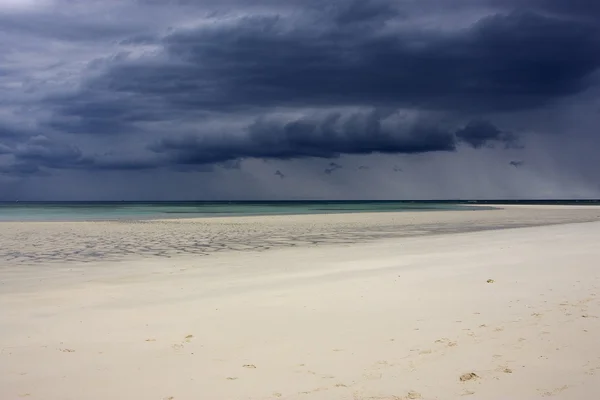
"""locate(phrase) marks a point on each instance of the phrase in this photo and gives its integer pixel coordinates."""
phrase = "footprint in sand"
(447, 342)
(319, 389)
(179, 346)
(469, 376)
(554, 391)
(592, 371)
(504, 369)
(535, 314)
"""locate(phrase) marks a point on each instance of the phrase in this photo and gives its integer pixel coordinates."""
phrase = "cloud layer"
(182, 87)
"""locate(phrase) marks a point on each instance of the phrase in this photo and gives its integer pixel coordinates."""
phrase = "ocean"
(125, 210)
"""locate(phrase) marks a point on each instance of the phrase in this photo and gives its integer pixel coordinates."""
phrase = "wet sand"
(79, 242)
(484, 304)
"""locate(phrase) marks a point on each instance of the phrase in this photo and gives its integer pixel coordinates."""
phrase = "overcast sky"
(299, 99)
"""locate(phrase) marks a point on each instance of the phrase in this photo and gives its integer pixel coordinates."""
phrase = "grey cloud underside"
(480, 133)
(36, 155)
(328, 137)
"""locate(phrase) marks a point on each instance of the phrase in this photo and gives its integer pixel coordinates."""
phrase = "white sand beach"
(358, 306)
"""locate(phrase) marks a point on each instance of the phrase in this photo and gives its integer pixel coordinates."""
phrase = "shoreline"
(460, 206)
(225, 215)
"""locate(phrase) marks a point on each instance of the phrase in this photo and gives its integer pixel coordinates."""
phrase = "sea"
(148, 210)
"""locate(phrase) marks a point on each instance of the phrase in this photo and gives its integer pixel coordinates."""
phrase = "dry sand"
(374, 306)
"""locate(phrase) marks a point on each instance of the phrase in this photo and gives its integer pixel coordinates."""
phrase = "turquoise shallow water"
(69, 211)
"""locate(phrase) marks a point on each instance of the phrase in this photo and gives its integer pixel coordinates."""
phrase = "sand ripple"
(37, 242)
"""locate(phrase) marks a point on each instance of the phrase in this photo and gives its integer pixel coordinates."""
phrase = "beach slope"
(493, 314)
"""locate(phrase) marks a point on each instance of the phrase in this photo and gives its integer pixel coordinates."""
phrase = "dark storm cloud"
(503, 62)
(326, 137)
(332, 167)
(517, 164)
(11, 133)
(201, 86)
(481, 133)
(233, 164)
(361, 11)
(40, 154)
(329, 136)
(583, 9)
(6, 132)
(41, 151)
(4, 149)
